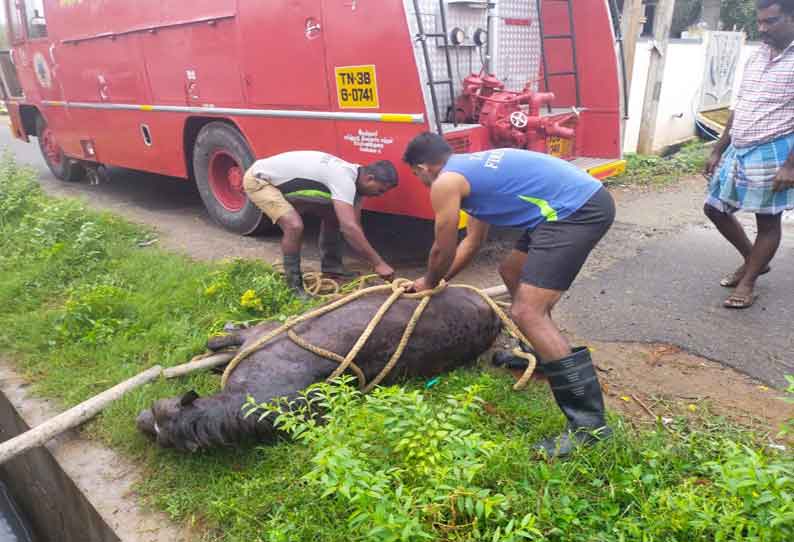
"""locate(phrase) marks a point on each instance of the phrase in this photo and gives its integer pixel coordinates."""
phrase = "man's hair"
(427, 148)
(786, 6)
(383, 171)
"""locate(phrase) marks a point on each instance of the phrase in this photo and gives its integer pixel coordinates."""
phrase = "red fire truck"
(198, 89)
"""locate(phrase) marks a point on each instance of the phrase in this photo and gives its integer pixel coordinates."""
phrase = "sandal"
(732, 280)
(737, 301)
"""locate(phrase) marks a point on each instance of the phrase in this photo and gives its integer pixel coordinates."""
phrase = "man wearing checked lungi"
(752, 165)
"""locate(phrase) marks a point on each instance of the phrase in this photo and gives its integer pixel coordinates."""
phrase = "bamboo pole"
(73, 417)
(496, 291)
(193, 366)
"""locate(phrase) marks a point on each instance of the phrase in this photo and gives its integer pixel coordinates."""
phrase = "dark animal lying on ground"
(456, 328)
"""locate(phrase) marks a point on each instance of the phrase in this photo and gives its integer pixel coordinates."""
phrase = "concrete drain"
(38, 501)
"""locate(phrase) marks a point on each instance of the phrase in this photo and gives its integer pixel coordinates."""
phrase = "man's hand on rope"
(385, 271)
(419, 285)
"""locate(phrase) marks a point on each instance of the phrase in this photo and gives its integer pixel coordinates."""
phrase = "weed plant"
(84, 305)
(660, 171)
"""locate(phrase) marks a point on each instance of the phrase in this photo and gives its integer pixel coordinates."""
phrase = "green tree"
(739, 14)
(685, 14)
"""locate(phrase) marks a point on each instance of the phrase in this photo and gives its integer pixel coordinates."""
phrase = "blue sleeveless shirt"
(521, 189)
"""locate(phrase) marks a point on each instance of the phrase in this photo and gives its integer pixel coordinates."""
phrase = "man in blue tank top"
(564, 213)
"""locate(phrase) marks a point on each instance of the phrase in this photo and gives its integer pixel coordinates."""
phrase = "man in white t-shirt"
(287, 185)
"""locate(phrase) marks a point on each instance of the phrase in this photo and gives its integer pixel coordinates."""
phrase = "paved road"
(669, 293)
(653, 279)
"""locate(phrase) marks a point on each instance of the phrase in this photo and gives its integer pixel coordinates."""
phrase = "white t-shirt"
(309, 172)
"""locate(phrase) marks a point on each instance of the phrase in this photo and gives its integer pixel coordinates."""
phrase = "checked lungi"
(744, 178)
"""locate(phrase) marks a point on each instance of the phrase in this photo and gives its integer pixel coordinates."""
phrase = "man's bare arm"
(719, 147)
(784, 180)
(445, 196)
(476, 233)
(790, 159)
(350, 226)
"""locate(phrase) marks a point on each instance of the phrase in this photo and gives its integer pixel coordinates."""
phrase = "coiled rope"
(398, 290)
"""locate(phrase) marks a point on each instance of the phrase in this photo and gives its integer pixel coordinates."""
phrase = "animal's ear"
(188, 398)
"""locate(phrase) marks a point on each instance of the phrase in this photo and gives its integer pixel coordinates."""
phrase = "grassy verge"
(83, 306)
(658, 171)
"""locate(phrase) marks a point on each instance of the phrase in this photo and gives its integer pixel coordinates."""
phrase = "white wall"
(748, 49)
(683, 76)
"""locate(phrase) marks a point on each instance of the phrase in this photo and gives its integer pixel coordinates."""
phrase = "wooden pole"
(633, 17)
(663, 20)
(496, 291)
(193, 366)
(73, 417)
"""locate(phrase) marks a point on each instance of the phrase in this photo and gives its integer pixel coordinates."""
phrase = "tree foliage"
(734, 14)
(739, 14)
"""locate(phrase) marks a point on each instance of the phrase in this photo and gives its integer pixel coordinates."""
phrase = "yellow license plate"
(357, 87)
(559, 146)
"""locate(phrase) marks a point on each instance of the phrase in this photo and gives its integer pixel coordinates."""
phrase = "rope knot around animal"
(398, 289)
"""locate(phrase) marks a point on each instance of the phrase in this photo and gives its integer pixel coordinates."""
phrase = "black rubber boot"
(506, 358)
(575, 386)
(294, 275)
(332, 248)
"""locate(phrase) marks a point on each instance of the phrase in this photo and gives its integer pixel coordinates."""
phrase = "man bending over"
(287, 185)
(564, 213)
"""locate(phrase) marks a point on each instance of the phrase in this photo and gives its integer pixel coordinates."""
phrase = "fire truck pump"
(512, 118)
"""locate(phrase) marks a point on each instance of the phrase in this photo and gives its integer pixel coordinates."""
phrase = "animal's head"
(166, 420)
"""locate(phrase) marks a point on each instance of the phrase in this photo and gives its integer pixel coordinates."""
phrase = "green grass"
(658, 171)
(83, 306)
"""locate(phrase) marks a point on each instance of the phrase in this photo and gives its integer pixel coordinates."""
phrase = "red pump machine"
(199, 89)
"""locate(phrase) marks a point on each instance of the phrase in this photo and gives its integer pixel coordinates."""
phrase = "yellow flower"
(211, 290)
(626, 398)
(249, 300)
(692, 408)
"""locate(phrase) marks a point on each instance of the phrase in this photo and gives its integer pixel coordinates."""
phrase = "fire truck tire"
(63, 167)
(221, 156)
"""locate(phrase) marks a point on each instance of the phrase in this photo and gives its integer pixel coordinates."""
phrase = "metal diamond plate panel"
(517, 55)
(515, 43)
(464, 59)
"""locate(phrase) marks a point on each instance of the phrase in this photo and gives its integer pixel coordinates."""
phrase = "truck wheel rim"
(226, 181)
(52, 151)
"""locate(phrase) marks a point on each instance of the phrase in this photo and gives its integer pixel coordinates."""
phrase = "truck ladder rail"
(421, 37)
(571, 35)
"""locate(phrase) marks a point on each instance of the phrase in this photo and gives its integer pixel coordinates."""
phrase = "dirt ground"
(646, 381)
(643, 381)
(638, 377)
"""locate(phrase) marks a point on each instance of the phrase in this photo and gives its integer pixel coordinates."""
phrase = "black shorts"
(557, 250)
